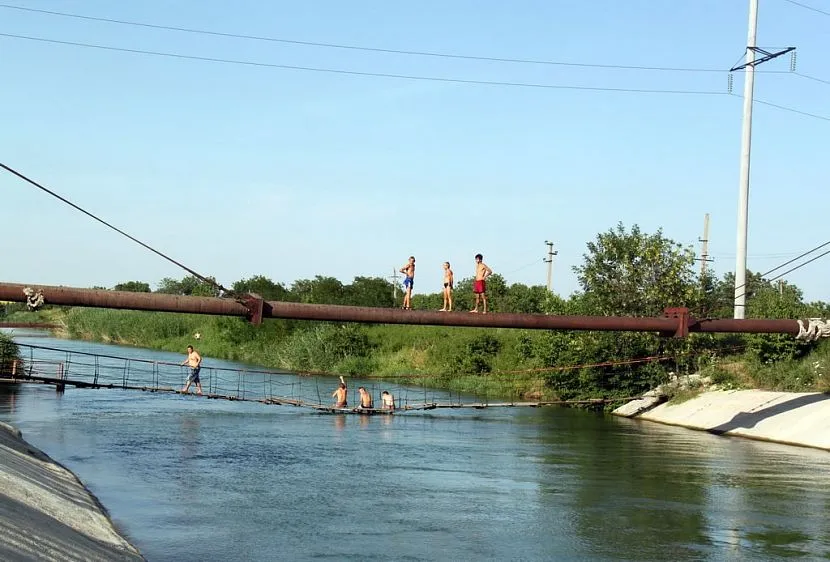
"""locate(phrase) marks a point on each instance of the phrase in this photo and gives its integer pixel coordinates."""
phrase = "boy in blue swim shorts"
(408, 281)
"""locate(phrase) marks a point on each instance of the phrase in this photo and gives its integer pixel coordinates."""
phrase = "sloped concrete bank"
(46, 513)
(801, 419)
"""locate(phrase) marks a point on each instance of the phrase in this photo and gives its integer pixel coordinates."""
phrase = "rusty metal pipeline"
(676, 322)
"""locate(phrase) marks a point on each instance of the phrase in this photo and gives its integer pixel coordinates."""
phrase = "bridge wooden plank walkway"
(322, 408)
(84, 370)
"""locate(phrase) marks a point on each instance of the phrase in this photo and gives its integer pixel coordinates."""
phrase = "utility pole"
(746, 149)
(549, 261)
(746, 144)
(394, 277)
(704, 251)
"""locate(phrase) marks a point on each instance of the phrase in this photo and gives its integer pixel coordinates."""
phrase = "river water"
(187, 478)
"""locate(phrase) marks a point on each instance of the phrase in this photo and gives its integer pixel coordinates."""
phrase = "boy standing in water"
(387, 400)
(479, 285)
(340, 394)
(448, 283)
(366, 400)
(408, 281)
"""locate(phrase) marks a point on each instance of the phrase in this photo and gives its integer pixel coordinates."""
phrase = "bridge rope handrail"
(153, 362)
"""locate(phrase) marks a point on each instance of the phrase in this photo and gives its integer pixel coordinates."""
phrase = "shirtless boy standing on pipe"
(480, 285)
(408, 281)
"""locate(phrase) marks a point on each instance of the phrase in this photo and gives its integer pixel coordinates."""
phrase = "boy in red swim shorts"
(480, 285)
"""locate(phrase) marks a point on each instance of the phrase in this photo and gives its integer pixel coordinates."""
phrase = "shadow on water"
(9, 396)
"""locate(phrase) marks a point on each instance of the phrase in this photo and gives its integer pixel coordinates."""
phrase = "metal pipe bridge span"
(676, 322)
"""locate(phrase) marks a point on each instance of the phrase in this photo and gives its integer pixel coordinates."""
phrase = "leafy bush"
(9, 352)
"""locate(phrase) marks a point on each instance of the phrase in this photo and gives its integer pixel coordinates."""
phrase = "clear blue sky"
(239, 170)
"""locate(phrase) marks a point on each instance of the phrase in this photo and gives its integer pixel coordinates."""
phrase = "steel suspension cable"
(32, 182)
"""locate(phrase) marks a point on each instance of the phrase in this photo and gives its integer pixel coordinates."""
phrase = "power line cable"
(534, 262)
(435, 54)
(807, 7)
(405, 76)
(799, 266)
(788, 262)
(798, 257)
(362, 73)
(808, 77)
(118, 230)
(792, 110)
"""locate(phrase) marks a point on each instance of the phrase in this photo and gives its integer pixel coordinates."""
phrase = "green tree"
(634, 273)
(320, 290)
(369, 291)
(133, 287)
(170, 286)
(263, 287)
(202, 289)
(779, 300)
(190, 285)
(523, 299)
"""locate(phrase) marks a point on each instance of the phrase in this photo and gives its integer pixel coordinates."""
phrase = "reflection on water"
(195, 479)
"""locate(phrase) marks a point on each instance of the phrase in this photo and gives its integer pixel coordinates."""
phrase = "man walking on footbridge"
(194, 361)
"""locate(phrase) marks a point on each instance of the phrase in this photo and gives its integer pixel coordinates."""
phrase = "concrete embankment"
(783, 417)
(46, 513)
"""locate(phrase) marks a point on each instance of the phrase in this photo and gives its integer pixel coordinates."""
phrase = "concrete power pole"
(746, 150)
(704, 251)
(394, 277)
(549, 261)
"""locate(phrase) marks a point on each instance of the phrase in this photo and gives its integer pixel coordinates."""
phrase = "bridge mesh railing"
(92, 370)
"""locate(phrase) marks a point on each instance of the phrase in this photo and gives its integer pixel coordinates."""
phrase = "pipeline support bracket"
(254, 303)
(683, 321)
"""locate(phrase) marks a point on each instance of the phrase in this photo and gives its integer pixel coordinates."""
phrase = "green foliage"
(189, 285)
(262, 286)
(776, 301)
(625, 272)
(324, 347)
(369, 291)
(726, 379)
(527, 300)
(603, 356)
(633, 273)
(8, 353)
(133, 287)
(476, 357)
(320, 290)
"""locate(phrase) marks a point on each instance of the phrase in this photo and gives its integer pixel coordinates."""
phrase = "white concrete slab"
(783, 417)
(46, 513)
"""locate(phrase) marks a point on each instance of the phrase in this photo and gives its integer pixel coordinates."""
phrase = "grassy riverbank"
(513, 364)
(624, 273)
(457, 359)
